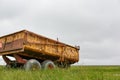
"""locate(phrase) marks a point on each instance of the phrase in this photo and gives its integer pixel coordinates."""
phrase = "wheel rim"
(50, 66)
(34, 67)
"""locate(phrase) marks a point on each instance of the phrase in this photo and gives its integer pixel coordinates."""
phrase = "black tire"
(48, 64)
(8, 66)
(12, 64)
(63, 65)
(32, 64)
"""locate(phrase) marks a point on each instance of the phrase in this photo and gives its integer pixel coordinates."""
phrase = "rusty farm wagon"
(33, 51)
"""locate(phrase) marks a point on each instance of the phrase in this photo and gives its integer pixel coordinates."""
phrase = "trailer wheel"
(63, 65)
(32, 64)
(48, 64)
(8, 66)
(12, 64)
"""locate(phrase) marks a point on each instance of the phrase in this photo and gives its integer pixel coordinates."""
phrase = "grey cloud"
(92, 24)
(11, 9)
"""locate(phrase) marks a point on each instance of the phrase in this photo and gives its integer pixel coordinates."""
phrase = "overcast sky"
(94, 25)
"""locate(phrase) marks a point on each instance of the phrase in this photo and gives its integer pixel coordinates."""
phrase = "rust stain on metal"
(14, 45)
(0, 45)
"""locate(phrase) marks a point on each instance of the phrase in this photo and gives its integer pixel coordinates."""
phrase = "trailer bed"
(30, 45)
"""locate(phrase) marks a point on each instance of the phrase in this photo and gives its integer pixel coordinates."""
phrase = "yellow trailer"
(25, 45)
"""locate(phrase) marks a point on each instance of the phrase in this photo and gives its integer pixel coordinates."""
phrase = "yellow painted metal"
(29, 42)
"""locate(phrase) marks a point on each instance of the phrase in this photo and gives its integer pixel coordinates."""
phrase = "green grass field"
(73, 73)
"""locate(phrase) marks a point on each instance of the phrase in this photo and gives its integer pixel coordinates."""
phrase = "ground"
(72, 73)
